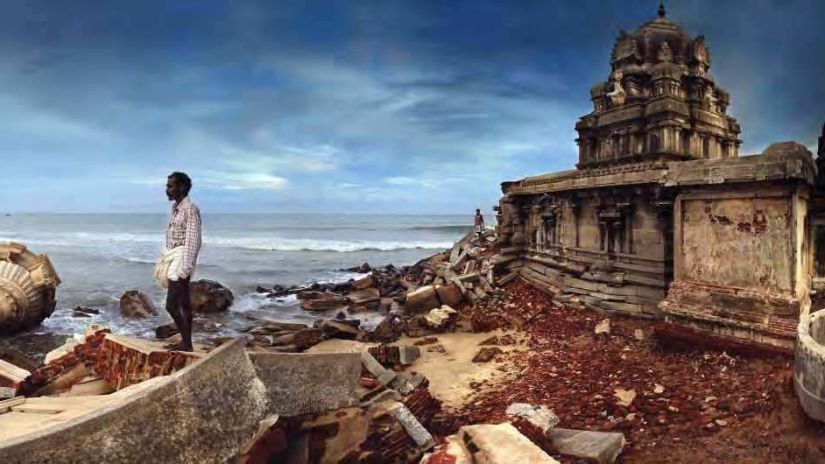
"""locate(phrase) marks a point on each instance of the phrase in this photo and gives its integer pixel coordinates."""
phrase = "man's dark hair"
(182, 179)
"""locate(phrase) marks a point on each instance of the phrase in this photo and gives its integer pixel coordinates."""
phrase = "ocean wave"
(256, 242)
(445, 228)
(320, 245)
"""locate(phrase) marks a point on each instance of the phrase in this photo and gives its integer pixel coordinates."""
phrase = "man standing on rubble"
(177, 263)
(479, 225)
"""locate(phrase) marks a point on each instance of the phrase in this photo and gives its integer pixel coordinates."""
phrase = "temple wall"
(740, 261)
(628, 278)
(754, 230)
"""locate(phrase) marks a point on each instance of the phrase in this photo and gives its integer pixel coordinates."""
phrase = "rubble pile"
(614, 377)
(114, 362)
(389, 426)
(417, 300)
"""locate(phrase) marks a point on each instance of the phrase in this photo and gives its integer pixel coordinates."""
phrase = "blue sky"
(351, 107)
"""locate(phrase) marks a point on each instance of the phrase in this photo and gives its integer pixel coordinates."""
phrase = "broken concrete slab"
(384, 376)
(539, 416)
(12, 376)
(422, 438)
(455, 252)
(112, 433)
(92, 387)
(501, 444)
(596, 447)
(307, 383)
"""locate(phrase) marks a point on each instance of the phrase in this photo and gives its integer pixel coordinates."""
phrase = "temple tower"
(659, 102)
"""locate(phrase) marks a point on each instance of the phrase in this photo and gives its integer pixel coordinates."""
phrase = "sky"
(350, 106)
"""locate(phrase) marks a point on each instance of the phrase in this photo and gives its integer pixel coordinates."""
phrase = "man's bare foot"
(179, 347)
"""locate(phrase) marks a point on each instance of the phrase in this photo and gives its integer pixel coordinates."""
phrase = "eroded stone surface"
(596, 447)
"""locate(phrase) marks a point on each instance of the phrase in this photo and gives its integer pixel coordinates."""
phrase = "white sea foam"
(299, 244)
(264, 243)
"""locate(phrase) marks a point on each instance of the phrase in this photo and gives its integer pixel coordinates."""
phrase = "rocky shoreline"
(460, 357)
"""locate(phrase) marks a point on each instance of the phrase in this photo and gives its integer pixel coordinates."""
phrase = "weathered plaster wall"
(741, 242)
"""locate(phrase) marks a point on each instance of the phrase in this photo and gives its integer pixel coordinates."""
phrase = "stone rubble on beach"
(390, 418)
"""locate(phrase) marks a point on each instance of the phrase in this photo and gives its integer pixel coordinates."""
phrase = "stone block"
(365, 296)
(12, 376)
(422, 300)
(324, 301)
(422, 438)
(364, 282)
(539, 416)
(308, 383)
(581, 284)
(501, 444)
(455, 253)
(507, 279)
(450, 294)
(337, 329)
(596, 447)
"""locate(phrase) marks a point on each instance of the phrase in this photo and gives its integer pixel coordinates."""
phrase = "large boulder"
(134, 303)
(208, 296)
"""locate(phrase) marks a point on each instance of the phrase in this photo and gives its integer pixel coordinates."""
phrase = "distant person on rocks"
(479, 225)
(177, 263)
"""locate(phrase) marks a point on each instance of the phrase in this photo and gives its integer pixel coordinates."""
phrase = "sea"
(100, 256)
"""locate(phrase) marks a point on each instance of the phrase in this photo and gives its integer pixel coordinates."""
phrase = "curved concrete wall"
(203, 413)
(809, 365)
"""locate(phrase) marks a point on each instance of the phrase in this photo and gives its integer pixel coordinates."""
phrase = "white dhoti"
(169, 266)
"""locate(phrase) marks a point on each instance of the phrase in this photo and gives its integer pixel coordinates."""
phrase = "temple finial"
(661, 9)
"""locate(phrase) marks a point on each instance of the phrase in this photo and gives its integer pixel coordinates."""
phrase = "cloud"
(245, 181)
(376, 107)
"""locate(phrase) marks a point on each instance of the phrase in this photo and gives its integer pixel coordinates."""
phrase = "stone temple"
(662, 218)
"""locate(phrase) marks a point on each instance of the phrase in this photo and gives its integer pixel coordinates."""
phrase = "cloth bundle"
(169, 266)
